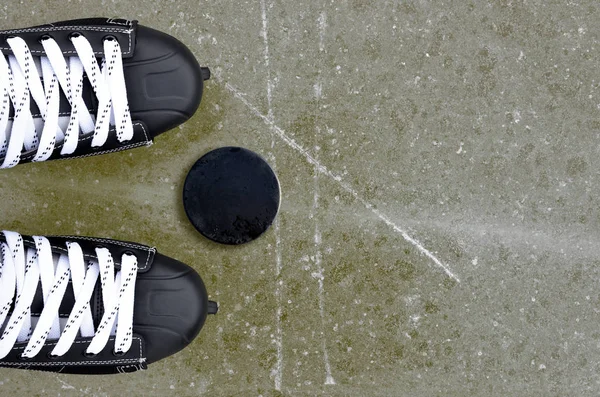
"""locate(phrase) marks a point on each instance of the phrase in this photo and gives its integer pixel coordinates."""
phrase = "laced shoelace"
(20, 82)
(22, 269)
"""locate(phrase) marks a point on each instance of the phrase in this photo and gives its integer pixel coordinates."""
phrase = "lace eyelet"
(52, 356)
(44, 37)
(109, 37)
(74, 35)
(23, 358)
(10, 37)
(118, 354)
(89, 355)
(127, 142)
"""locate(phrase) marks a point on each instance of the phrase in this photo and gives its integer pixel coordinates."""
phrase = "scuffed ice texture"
(405, 134)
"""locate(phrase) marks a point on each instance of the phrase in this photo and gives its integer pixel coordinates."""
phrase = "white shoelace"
(22, 269)
(20, 81)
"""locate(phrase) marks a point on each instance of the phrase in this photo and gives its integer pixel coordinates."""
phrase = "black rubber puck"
(231, 195)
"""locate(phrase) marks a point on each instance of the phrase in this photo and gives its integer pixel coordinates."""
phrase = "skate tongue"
(65, 108)
(38, 305)
(66, 305)
(88, 96)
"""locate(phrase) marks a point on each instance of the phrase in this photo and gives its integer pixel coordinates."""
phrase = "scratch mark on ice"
(278, 131)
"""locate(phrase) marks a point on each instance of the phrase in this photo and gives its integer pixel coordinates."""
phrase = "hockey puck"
(231, 195)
